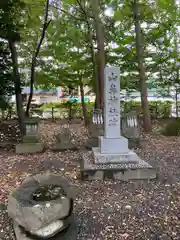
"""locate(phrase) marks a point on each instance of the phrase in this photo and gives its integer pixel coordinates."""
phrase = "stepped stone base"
(24, 148)
(121, 171)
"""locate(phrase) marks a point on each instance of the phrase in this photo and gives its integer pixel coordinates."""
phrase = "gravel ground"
(107, 210)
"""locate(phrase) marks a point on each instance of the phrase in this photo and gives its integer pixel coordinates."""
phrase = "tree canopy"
(139, 36)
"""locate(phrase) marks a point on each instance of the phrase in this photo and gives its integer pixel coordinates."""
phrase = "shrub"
(158, 109)
(172, 128)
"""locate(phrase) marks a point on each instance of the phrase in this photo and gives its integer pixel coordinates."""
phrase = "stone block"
(25, 148)
(132, 174)
(96, 130)
(91, 143)
(64, 137)
(63, 147)
(31, 139)
(96, 175)
(134, 143)
(113, 145)
(100, 158)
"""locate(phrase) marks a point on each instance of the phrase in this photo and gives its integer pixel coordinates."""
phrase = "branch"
(44, 28)
(83, 11)
(64, 11)
(34, 57)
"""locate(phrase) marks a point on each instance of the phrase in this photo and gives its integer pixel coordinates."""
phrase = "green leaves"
(66, 51)
(6, 87)
(10, 19)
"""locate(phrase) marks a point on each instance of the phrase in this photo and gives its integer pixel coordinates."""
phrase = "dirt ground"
(106, 210)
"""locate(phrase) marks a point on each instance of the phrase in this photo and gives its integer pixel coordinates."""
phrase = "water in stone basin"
(48, 193)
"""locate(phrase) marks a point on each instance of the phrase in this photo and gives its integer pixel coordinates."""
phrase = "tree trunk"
(176, 101)
(95, 75)
(177, 74)
(84, 110)
(95, 4)
(17, 84)
(93, 57)
(31, 86)
(141, 69)
(35, 55)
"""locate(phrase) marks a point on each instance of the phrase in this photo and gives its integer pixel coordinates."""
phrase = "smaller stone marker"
(31, 140)
(96, 128)
(131, 129)
(64, 139)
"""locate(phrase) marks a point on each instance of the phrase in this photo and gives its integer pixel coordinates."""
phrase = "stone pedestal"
(113, 150)
(112, 158)
(29, 148)
(113, 145)
(124, 171)
(30, 145)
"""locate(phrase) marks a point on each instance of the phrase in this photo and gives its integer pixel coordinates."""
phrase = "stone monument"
(112, 158)
(113, 148)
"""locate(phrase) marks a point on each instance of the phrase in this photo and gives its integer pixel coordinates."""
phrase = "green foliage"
(68, 41)
(5, 104)
(172, 128)
(71, 35)
(158, 109)
(6, 86)
(11, 13)
(64, 108)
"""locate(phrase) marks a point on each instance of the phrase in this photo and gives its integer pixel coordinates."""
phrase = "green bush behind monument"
(159, 109)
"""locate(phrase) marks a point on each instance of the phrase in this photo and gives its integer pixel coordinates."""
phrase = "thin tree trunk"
(35, 55)
(177, 74)
(17, 84)
(141, 69)
(84, 110)
(95, 4)
(176, 100)
(95, 75)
